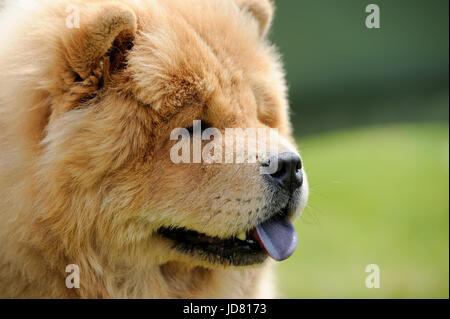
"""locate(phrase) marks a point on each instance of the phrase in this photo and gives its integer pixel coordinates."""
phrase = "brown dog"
(90, 92)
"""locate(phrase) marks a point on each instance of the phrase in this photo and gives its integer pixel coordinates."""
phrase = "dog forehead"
(185, 55)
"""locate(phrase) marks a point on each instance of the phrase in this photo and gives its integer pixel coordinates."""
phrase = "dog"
(90, 93)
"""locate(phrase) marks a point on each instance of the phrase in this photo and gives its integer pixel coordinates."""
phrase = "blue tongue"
(278, 238)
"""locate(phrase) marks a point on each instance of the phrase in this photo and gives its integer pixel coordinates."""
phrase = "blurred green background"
(370, 111)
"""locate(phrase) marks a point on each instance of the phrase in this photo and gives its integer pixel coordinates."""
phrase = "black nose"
(288, 172)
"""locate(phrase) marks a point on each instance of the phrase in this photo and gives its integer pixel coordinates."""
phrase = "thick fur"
(85, 120)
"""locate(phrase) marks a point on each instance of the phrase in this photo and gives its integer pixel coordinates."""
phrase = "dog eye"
(203, 126)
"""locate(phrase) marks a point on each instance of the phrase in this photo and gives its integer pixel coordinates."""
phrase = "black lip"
(230, 251)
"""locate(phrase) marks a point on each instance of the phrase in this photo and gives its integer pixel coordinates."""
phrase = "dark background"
(342, 74)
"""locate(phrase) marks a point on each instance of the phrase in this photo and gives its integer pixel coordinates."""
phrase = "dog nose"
(288, 172)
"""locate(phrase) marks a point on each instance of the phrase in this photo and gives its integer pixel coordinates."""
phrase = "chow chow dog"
(90, 92)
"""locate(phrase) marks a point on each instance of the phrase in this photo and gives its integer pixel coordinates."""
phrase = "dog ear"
(261, 10)
(103, 28)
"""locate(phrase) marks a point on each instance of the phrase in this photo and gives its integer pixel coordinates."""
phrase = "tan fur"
(85, 120)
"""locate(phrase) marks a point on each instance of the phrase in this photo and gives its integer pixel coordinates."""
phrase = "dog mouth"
(275, 237)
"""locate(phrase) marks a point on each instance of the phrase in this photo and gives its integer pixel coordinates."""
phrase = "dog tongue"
(277, 237)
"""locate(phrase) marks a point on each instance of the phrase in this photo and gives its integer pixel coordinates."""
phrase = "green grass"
(378, 195)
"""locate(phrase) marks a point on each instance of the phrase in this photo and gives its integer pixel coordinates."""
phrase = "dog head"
(118, 89)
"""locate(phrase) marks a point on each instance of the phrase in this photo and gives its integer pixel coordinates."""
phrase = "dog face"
(133, 75)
